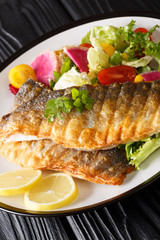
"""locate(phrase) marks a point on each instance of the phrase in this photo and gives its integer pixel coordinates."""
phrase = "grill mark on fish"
(150, 112)
(74, 128)
(34, 123)
(99, 133)
(114, 111)
(134, 114)
(122, 107)
(143, 112)
(91, 117)
(129, 98)
(106, 114)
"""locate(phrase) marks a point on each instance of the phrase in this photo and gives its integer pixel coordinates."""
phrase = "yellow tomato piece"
(138, 78)
(19, 74)
(108, 49)
(125, 56)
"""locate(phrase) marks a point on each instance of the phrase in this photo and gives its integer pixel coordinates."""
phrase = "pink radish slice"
(79, 56)
(13, 89)
(44, 65)
(151, 76)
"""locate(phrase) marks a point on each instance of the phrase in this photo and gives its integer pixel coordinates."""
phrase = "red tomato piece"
(87, 45)
(118, 74)
(142, 30)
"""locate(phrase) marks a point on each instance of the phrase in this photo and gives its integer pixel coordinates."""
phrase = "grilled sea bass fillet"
(104, 166)
(29, 90)
(107, 167)
(121, 113)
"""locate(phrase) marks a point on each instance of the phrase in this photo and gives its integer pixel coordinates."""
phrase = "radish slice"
(44, 65)
(13, 89)
(151, 76)
(79, 57)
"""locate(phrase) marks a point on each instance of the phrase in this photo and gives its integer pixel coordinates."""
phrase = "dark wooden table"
(134, 217)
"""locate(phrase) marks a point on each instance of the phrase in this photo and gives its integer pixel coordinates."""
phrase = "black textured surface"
(135, 217)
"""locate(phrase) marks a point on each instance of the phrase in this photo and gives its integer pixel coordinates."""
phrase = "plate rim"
(58, 213)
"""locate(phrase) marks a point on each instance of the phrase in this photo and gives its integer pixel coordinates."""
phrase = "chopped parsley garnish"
(55, 107)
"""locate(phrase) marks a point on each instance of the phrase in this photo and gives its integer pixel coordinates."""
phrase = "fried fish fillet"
(107, 167)
(104, 166)
(121, 113)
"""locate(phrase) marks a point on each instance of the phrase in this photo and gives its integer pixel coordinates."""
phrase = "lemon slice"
(18, 181)
(54, 191)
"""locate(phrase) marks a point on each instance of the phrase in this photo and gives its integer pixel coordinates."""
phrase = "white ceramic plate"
(90, 195)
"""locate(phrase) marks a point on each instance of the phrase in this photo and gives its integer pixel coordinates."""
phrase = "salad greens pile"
(124, 40)
(132, 48)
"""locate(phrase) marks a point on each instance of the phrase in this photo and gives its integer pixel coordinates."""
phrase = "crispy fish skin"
(121, 113)
(103, 167)
(29, 90)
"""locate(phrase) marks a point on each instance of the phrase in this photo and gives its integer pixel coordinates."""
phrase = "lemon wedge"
(54, 191)
(18, 181)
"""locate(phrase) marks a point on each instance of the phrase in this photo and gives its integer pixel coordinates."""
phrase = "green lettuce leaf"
(137, 152)
(97, 58)
(142, 62)
(86, 38)
(116, 58)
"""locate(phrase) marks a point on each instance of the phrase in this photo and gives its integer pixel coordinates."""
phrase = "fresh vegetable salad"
(106, 54)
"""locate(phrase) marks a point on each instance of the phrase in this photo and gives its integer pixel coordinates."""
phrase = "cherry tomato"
(118, 74)
(142, 30)
(19, 74)
(87, 45)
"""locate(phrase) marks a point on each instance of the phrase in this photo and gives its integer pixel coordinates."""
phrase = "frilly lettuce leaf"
(137, 152)
(153, 49)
